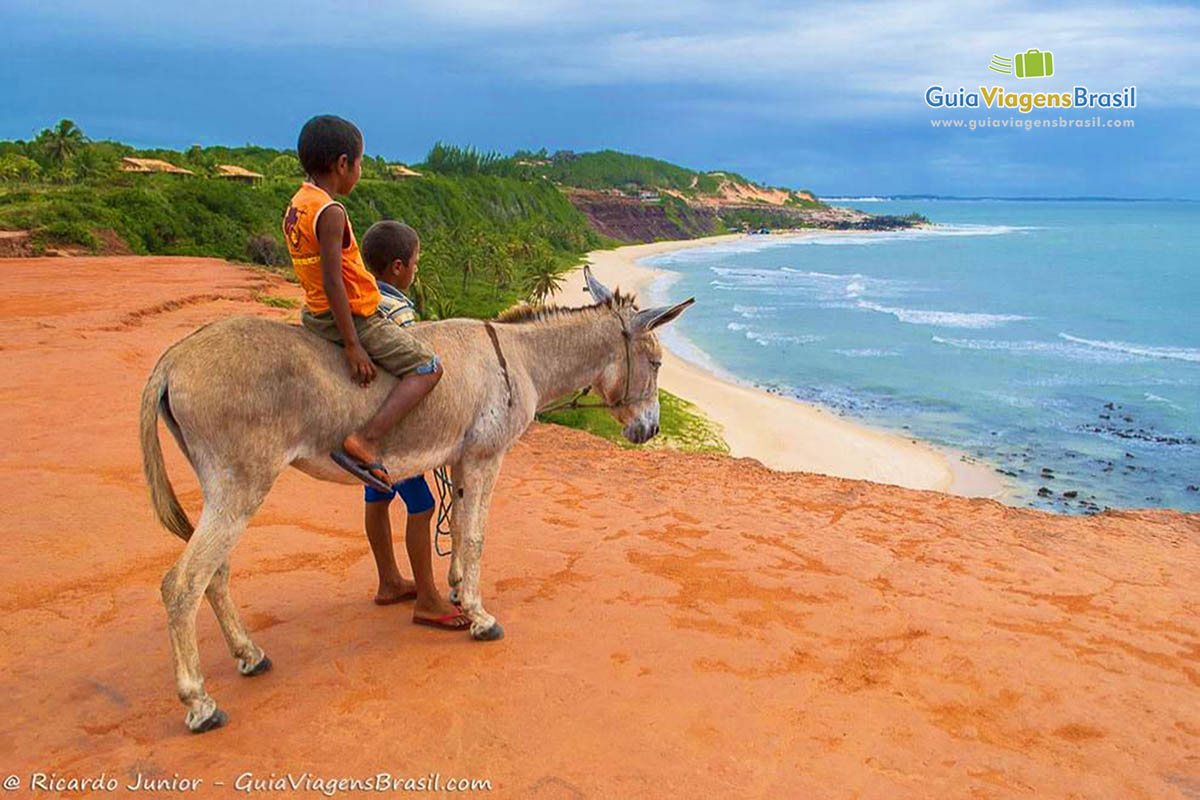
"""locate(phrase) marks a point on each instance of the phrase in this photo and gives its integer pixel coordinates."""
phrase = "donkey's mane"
(526, 312)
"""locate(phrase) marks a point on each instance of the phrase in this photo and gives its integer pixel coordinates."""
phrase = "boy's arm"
(330, 227)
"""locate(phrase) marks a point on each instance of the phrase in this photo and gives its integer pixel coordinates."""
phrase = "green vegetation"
(277, 302)
(490, 238)
(449, 159)
(690, 221)
(608, 169)
(750, 218)
(681, 426)
(632, 175)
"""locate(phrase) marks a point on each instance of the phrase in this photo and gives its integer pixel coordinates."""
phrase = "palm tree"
(520, 247)
(14, 167)
(62, 141)
(90, 164)
(201, 160)
(471, 250)
(444, 308)
(543, 279)
(502, 268)
(424, 294)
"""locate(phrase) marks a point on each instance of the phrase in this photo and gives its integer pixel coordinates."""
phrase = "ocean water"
(1058, 341)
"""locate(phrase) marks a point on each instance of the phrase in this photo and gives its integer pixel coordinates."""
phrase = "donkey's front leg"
(478, 478)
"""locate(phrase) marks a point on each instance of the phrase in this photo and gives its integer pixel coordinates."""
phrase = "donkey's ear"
(652, 318)
(600, 292)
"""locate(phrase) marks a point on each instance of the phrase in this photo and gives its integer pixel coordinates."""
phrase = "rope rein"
(445, 491)
(574, 401)
(445, 487)
(491, 332)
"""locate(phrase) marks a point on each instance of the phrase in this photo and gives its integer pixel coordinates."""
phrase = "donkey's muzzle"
(641, 432)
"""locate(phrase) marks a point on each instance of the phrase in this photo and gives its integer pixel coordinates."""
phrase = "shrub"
(265, 249)
(284, 166)
(14, 167)
(65, 233)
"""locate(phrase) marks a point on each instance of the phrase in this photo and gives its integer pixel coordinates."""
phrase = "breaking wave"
(944, 319)
(1064, 350)
(753, 312)
(766, 338)
(1191, 354)
(867, 352)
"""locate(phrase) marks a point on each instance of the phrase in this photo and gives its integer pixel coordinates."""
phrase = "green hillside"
(489, 239)
(609, 169)
(495, 228)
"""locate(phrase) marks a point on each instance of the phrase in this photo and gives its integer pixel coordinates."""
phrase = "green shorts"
(388, 344)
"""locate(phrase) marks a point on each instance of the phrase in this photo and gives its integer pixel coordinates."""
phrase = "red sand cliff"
(738, 633)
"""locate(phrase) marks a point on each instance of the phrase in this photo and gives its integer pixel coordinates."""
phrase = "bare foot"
(394, 592)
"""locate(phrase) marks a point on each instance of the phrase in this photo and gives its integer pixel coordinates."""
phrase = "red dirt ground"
(678, 625)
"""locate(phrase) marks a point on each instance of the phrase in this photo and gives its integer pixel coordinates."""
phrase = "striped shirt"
(395, 305)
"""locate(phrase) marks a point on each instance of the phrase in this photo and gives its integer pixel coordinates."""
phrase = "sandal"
(374, 474)
(454, 621)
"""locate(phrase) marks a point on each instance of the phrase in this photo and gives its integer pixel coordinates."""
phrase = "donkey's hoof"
(211, 722)
(490, 634)
(264, 665)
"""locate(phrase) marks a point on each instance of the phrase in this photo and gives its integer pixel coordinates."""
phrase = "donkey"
(245, 398)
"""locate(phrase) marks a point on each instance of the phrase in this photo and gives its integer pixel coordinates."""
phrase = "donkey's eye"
(655, 364)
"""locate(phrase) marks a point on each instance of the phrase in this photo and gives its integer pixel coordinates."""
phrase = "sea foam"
(754, 312)
(866, 352)
(943, 319)
(1191, 354)
(766, 338)
(1066, 351)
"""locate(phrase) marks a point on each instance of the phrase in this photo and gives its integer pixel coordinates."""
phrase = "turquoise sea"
(1057, 340)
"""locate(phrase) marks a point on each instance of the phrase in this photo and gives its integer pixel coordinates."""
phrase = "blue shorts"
(413, 491)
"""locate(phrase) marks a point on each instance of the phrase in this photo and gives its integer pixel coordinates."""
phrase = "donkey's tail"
(162, 496)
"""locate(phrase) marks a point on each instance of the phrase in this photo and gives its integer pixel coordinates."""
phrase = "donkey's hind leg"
(251, 660)
(455, 573)
(227, 509)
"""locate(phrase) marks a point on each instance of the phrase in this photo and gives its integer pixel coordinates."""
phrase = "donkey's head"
(629, 383)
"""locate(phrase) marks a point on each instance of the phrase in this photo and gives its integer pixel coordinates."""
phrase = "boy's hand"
(361, 368)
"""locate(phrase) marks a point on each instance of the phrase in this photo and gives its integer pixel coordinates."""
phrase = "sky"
(828, 96)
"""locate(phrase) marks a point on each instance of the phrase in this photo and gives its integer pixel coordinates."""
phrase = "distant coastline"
(781, 432)
(955, 334)
(885, 198)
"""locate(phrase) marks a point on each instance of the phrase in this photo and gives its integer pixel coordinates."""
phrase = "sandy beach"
(781, 432)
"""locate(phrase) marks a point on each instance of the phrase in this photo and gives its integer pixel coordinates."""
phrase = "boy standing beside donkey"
(361, 309)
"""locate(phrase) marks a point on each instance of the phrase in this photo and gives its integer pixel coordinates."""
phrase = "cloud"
(836, 58)
(875, 53)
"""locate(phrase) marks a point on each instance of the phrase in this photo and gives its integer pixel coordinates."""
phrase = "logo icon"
(1033, 63)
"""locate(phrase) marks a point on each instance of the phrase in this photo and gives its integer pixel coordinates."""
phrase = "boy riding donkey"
(362, 307)
(341, 297)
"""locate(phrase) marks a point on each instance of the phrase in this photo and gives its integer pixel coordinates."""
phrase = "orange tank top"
(300, 232)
